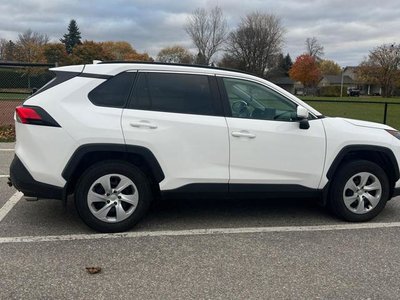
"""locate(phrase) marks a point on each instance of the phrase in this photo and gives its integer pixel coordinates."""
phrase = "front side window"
(176, 93)
(114, 92)
(254, 101)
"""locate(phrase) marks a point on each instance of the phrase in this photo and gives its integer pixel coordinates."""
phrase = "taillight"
(34, 115)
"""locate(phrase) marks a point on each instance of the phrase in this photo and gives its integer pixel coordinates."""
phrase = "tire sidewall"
(343, 175)
(112, 167)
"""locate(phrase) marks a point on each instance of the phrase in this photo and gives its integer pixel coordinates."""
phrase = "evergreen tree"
(72, 38)
(282, 67)
(288, 63)
(9, 51)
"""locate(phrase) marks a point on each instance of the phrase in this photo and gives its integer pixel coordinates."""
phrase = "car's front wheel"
(359, 191)
(112, 196)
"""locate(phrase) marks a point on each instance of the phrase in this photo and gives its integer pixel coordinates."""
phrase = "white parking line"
(6, 150)
(4, 176)
(195, 232)
(9, 205)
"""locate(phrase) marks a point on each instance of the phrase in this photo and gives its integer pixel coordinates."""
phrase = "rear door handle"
(243, 133)
(143, 123)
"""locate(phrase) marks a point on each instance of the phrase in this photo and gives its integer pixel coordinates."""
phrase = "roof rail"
(172, 64)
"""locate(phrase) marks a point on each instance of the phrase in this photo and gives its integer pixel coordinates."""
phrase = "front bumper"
(23, 181)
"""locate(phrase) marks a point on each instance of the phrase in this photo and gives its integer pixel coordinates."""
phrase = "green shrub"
(332, 91)
(329, 91)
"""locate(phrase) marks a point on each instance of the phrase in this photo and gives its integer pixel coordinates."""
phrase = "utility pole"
(341, 84)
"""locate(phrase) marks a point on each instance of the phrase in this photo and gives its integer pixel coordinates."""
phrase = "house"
(365, 88)
(336, 80)
(284, 82)
(350, 79)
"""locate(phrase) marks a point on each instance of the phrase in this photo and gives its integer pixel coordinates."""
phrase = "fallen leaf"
(93, 270)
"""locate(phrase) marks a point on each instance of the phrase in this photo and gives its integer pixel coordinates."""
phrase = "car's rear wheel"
(359, 191)
(112, 196)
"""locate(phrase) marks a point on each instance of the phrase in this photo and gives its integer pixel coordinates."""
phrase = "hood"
(367, 124)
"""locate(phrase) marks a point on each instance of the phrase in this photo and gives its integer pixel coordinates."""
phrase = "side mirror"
(302, 115)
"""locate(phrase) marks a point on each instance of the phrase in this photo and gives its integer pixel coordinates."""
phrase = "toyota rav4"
(118, 135)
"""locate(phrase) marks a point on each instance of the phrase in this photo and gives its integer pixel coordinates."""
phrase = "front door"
(267, 147)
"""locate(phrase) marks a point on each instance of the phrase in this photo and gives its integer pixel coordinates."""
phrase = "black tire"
(100, 169)
(347, 171)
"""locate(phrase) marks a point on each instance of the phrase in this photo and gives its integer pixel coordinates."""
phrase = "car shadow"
(177, 214)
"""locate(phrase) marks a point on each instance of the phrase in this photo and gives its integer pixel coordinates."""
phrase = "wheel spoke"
(131, 199)
(372, 199)
(350, 185)
(123, 184)
(361, 205)
(95, 197)
(105, 182)
(120, 212)
(364, 178)
(373, 186)
(102, 212)
(349, 200)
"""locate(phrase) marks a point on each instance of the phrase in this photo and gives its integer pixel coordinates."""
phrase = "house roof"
(282, 80)
(337, 79)
(350, 68)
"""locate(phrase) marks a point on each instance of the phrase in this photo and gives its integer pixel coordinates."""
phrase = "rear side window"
(176, 93)
(114, 92)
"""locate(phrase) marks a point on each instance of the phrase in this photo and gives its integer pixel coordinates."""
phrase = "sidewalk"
(7, 145)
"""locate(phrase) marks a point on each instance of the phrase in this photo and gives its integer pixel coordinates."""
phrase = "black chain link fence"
(17, 82)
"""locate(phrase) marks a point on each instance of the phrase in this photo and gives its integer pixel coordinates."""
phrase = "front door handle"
(143, 123)
(243, 133)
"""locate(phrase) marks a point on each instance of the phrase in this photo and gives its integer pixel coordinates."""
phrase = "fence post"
(385, 113)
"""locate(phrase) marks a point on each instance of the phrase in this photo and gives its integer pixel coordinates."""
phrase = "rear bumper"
(23, 181)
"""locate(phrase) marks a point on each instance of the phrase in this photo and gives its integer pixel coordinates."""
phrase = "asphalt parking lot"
(187, 249)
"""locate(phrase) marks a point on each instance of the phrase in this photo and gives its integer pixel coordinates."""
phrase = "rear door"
(179, 118)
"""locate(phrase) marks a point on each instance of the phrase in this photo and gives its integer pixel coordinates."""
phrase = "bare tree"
(29, 46)
(257, 42)
(3, 48)
(175, 54)
(314, 48)
(382, 67)
(208, 30)
(7, 50)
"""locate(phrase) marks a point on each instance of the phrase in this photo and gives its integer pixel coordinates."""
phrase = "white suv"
(117, 135)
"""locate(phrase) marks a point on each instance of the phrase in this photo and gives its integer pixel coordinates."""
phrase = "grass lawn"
(362, 111)
(361, 98)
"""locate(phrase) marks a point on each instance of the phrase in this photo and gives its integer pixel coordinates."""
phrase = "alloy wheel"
(362, 192)
(112, 198)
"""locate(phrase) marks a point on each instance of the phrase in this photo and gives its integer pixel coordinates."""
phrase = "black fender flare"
(388, 153)
(124, 150)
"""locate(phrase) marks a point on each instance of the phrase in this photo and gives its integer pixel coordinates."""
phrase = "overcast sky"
(347, 29)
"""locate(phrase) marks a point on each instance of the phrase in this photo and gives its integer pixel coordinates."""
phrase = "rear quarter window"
(114, 92)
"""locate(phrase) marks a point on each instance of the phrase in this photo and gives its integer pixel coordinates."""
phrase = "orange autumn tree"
(306, 70)
(122, 50)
